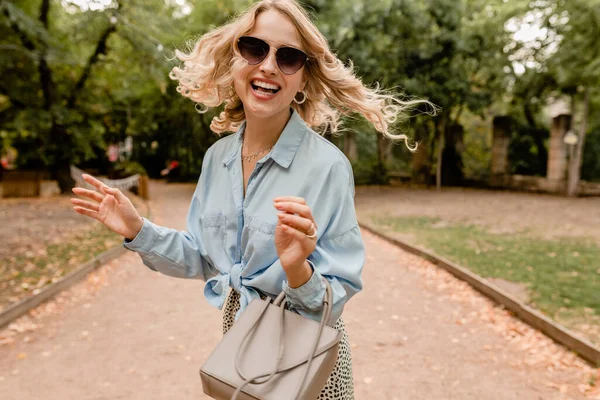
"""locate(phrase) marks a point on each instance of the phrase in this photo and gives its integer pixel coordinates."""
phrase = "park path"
(416, 332)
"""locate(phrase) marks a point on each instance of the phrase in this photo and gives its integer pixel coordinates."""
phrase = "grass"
(22, 275)
(560, 275)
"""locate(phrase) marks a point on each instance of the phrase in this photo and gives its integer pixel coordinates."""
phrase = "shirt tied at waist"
(215, 289)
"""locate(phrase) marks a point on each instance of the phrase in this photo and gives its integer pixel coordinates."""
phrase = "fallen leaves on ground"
(542, 352)
(81, 293)
(42, 240)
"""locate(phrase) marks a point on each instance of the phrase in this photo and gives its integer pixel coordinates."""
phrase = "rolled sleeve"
(180, 254)
(308, 296)
(339, 260)
(339, 255)
(144, 240)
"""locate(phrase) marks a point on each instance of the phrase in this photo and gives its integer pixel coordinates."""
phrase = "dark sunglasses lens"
(290, 60)
(253, 50)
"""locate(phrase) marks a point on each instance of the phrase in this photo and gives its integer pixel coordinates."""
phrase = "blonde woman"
(274, 206)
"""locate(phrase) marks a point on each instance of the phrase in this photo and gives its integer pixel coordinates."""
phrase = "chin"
(264, 111)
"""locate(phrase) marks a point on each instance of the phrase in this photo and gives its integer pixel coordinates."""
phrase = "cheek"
(294, 83)
(238, 85)
(240, 77)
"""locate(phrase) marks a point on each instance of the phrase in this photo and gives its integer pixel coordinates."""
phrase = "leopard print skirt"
(340, 385)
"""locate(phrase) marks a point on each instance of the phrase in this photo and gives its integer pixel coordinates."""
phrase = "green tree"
(76, 79)
(445, 51)
(563, 60)
(577, 67)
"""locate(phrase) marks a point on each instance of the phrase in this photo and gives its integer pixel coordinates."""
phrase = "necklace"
(249, 158)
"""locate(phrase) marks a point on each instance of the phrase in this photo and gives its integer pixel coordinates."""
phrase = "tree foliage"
(79, 76)
(562, 61)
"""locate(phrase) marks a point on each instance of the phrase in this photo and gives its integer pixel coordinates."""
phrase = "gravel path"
(416, 333)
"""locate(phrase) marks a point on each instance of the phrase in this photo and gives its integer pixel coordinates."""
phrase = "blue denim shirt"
(230, 239)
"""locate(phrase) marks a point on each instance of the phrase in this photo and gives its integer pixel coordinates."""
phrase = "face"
(278, 89)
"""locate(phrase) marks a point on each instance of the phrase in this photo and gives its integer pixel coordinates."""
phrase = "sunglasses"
(289, 59)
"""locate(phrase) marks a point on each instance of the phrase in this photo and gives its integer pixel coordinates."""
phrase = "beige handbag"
(271, 353)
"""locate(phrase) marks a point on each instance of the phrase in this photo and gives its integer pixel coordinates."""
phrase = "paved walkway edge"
(14, 311)
(530, 316)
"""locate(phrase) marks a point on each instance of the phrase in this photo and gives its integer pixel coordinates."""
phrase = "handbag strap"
(327, 305)
(252, 331)
(280, 301)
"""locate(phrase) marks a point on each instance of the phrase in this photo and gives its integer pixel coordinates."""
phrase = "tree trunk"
(381, 176)
(350, 149)
(441, 129)
(452, 173)
(63, 177)
(421, 163)
(382, 148)
(575, 161)
(100, 50)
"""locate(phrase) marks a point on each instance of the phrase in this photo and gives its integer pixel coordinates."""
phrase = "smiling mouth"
(264, 91)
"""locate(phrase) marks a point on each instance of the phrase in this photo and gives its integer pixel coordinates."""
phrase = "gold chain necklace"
(255, 155)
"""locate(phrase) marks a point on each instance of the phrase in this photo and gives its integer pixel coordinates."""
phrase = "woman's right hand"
(109, 206)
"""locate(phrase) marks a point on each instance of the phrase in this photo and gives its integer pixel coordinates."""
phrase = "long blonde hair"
(207, 78)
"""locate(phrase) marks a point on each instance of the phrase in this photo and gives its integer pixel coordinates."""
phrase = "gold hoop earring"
(303, 98)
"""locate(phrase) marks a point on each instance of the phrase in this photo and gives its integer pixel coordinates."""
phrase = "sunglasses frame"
(306, 57)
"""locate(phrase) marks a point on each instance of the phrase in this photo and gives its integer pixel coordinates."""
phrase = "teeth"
(265, 85)
(265, 93)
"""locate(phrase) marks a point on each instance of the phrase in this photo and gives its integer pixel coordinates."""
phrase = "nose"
(269, 64)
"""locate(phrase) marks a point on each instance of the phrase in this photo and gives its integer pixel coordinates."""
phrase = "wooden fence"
(22, 183)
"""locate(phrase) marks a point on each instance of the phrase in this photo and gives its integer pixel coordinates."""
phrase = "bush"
(370, 173)
(127, 168)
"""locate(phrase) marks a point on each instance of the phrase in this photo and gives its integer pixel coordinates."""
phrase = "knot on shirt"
(216, 289)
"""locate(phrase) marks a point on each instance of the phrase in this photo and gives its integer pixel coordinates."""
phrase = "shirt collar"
(287, 145)
(236, 144)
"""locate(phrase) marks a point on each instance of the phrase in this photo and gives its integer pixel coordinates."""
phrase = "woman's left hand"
(295, 225)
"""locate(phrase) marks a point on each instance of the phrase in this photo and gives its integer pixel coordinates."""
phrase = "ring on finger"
(314, 234)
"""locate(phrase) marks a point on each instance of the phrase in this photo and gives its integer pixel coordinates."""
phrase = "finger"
(86, 204)
(296, 222)
(294, 208)
(121, 198)
(92, 194)
(293, 199)
(294, 233)
(89, 213)
(94, 182)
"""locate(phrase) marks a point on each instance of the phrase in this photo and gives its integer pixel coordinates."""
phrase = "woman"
(274, 206)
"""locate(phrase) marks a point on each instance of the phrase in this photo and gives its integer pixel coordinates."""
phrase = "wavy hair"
(207, 78)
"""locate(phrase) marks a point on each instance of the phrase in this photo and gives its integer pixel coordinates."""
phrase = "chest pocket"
(214, 235)
(258, 240)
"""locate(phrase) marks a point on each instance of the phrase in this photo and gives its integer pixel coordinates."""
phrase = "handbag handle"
(280, 301)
